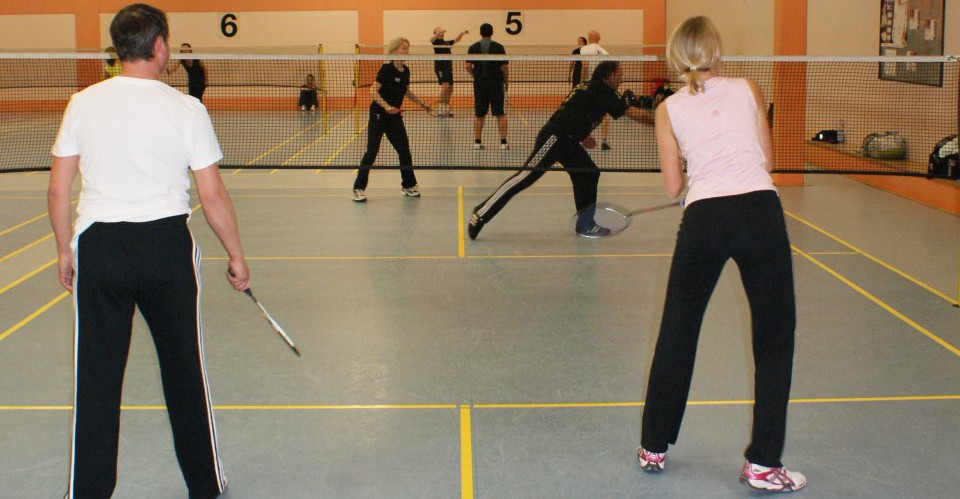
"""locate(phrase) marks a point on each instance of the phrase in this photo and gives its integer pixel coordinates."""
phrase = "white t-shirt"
(136, 138)
(593, 49)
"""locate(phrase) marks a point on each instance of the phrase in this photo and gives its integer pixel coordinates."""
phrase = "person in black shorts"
(391, 86)
(563, 140)
(576, 67)
(444, 69)
(490, 80)
(196, 73)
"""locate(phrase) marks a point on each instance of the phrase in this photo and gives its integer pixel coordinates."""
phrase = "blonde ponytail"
(694, 48)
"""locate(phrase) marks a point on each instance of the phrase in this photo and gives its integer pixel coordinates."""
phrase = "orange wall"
(370, 11)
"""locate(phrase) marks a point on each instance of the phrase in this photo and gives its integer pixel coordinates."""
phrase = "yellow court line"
(466, 454)
(25, 248)
(338, 151)
(334, 258)
(308, 146)
(882, 304)
(607, 255)
(461, 245)
(32, 316)
(824, 400)
(15, 227)
(448, 257)
(315, 407)
(873, 258)
(36, 271)
(465, 408)
(274, 148)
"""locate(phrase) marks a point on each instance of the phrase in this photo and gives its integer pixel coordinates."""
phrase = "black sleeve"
(383, 76)
(474, 49)
(611, 102)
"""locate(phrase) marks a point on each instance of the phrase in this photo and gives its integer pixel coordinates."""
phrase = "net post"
(356, 90)
(322, 69)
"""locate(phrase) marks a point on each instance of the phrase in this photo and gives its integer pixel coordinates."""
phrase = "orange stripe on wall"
(87, 19)
(655, 22)
(515, 4)
(10, 8)
(790, 38)
(234, 6)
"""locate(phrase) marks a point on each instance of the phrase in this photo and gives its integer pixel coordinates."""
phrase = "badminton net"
(255, 102)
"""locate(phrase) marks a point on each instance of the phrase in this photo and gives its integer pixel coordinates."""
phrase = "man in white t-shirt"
(593, 48)
(133, 139)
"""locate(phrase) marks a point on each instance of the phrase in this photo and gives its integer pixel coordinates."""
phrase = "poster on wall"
(909, 28)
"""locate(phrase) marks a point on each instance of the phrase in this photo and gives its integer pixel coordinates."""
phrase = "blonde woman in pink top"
(717, 128)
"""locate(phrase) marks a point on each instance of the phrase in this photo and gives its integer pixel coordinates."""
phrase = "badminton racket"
(270, 319)
(610, 216)
(438, 110)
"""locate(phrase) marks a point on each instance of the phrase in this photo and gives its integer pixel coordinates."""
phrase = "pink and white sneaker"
(651, 462)
(771, 479)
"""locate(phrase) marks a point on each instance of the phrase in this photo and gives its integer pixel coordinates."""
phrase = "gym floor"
(513, 366)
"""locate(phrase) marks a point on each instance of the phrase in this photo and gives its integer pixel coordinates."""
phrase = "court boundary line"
(882, 304)
(876, 260)
(544, 405)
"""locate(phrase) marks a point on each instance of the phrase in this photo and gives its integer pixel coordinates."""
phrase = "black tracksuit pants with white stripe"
(153, 266)
(552, 146)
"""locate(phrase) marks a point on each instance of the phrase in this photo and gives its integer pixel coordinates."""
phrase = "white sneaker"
(478, 146)
(504, 146)
(771, 479)
(413, 192)
(359, 196)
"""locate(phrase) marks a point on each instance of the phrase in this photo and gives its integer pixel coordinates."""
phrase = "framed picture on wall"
(912, 27)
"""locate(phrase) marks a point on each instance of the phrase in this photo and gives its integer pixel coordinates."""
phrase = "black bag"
(828, 136)
(943, 159)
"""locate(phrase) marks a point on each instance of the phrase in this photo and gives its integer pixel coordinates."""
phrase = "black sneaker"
(592, 231)
(604, 146)
(476, 223)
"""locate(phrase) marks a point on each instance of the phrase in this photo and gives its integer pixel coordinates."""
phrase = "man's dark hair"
(604, 70)
(135, 29)
(486, 30)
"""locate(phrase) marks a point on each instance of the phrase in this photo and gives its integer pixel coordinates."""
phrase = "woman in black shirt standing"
(389, 89)
(563, 139)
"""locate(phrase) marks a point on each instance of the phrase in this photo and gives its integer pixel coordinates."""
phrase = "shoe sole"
(651, 468)
(781, 490)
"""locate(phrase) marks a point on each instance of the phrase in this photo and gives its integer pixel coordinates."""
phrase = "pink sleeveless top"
(717, 133)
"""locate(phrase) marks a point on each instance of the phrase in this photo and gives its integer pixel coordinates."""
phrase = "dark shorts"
(444, 72)
(487, 95)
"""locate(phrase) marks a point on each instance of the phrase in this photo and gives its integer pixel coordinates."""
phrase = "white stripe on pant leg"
(76, 341)
(519, 177)
(217, 465)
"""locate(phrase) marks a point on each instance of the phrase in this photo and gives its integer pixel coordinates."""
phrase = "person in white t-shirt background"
(716, 127)
(133, 139)
(593, 48)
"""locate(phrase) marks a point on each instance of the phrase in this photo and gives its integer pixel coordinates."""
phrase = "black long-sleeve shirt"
(585, 106)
